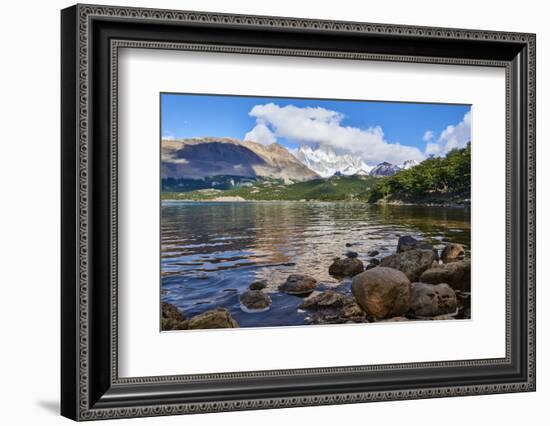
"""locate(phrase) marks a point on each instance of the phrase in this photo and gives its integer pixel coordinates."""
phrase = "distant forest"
(449, 175)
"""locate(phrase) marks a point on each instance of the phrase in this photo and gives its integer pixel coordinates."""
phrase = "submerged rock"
(429, 300)
(453, 253)
(216, 318)
(347, 267)
(258, 285)
(382, 292)
(352, 254)
(255, 300)
(298, 285)
(411, 262)
(456, 274)
(373, 253)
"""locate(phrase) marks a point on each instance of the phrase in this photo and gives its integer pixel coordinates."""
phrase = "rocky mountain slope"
(198, 158)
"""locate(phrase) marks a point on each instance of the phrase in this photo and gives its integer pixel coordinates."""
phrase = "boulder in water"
(298, 285)
(255, 300)
(347, 267)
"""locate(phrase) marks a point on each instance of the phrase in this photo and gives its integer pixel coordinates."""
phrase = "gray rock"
(216, 318)
(411, 262)
(429, 300)
(347, 267)
(255, 300)
(171, 311)
(406, 243)
(298, 284)
(172, 318)
(456, 274)
(382, 292)
(325, 299)
(331, 307)
(352, 254)
(373, 253)
(258, 285)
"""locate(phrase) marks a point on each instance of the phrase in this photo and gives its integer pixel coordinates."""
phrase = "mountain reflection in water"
(212, 251)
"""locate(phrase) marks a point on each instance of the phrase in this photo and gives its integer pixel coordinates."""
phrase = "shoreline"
(378, 203)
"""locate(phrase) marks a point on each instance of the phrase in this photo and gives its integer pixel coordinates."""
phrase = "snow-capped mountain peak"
(388, 169)
(325, 162)
(408, 164)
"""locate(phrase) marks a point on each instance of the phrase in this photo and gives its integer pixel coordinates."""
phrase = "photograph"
(291, 212)
(267, 207)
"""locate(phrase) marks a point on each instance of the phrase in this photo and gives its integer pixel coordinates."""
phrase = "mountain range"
(202, 158)
(326, 163)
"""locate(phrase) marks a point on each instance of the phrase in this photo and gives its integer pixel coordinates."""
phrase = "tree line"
(449, 175)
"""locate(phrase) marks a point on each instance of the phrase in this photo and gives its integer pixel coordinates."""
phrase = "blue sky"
(372, 130)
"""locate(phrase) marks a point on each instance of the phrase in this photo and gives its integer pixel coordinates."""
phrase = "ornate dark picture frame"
(91, 37)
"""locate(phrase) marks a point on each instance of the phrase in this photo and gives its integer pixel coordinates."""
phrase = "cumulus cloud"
(320, 126)
(453, 136)
(261, 133)
(428, 136)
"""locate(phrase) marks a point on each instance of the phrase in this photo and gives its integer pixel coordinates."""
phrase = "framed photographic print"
(263, 212)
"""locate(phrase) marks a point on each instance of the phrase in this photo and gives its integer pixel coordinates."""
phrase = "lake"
(212, 251)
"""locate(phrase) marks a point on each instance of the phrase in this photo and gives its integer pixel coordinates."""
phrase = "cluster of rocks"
(173, 319)
(255, 299)
(416, 282)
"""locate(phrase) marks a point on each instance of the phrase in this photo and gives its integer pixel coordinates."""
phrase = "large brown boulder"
(216, 318)
(298, 284)
(255, 300)
(382, 292)
(347, 267)
(456, 274)
(411, 262)
(453, 253)
(428, 300)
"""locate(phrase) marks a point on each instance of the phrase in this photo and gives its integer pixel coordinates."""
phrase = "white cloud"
(168, 137)
(261, 133)
(454, 136)
(320, 126)
(428, 136)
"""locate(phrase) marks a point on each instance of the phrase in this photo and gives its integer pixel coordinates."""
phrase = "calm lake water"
(212, 252)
